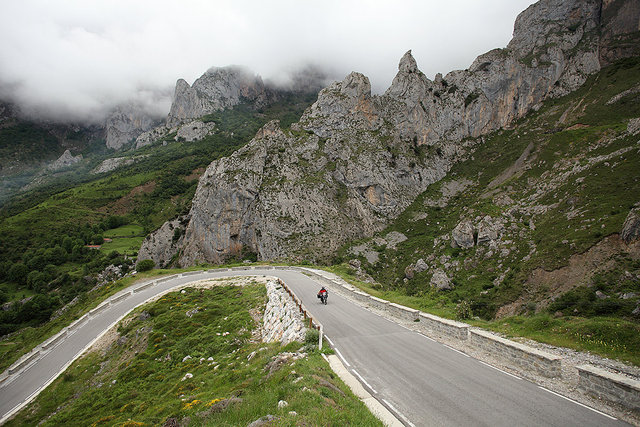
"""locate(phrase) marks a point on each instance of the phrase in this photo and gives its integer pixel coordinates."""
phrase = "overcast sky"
(79, 58)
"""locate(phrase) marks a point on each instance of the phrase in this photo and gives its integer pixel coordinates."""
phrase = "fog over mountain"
(76, 60)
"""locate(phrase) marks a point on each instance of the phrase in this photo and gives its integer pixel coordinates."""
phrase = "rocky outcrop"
(620, 30)
(440, 280)
(631, 226)
(215, 90)
(64, 161)
(195, 131)
(355, 161)
(114, 163)
(462, 235)
(162, 245)
(125, 124)
(297, 194)
(485, 231)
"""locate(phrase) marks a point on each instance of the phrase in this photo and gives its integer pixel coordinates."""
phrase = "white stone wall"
(282, 320)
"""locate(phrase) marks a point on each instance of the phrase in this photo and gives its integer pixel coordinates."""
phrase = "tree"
(145, 265)
(18, 274)
(67, 244)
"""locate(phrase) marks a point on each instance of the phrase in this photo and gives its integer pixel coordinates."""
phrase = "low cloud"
(77, 60)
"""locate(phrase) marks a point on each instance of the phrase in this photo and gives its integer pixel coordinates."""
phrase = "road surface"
(423, 382)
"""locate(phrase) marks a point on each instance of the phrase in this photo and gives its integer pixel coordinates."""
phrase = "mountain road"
(423, 382)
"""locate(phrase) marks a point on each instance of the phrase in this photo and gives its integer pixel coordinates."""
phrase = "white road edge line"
(424, 336)
(457, 351)
(400, 414)
(342, 357)
(578, 403)
(329, 339)
(364, 381)
(498, 369)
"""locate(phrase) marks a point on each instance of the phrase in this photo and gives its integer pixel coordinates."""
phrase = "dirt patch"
(581, 268)
(577, 126)
(195, 174)
(125, 204)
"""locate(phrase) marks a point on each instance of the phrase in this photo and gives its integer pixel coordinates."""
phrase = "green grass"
(129, 230)
(126, 239)
(610, 337)
(135, 383)
(123, 245)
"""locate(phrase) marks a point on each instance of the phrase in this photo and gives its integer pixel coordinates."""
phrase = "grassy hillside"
(208, 368)
(45, 232)
(556, 189)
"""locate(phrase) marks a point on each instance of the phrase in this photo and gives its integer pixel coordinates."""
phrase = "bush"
(463, 310)
(146, 265)
(312, 336)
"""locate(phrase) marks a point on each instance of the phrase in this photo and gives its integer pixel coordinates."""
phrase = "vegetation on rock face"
(193, 355)
(46, 232)
(555, 190)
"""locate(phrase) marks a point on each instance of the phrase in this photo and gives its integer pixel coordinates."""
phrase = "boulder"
(409, 272)
(462, 235)
(489, 230)
(440, 280)
(420, 266)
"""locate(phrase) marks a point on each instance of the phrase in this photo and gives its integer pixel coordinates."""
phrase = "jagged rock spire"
(408, 63)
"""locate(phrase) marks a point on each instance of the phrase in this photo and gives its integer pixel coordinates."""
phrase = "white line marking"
(342, 357)
(457, 351)
(498, 369)
(364, 381)
(324, 356)
(578, 403)
(393, 408)
(429, 338)
(329, 339)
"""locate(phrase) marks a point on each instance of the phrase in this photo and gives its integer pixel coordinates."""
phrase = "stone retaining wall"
(282, 320)
(517, 354)
(614, 387)
(431, 324)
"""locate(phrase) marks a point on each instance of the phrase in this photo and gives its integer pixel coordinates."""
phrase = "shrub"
(312, 336)
(146, 265)
(463, 310)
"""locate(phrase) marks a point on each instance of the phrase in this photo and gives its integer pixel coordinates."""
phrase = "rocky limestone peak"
(125, 124)
(218, 88)
(408, 63)
(409, 84)
(560, 22)
(356, 85)
(349, 98)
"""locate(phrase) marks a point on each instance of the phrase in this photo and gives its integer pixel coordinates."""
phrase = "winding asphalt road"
(423, 382)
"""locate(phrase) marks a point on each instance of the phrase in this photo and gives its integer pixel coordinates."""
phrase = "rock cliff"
(217, 89)
(125, 124)
(355, 161)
